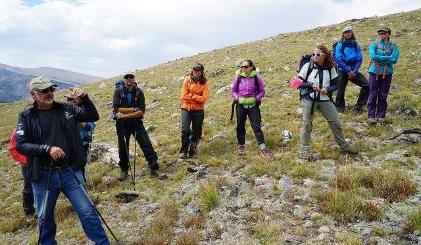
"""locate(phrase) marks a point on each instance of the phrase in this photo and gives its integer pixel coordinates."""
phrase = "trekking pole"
(93, 205)
(44, 203)
(134, 162)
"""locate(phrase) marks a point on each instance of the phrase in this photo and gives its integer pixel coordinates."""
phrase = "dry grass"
(413, 222)
(189, 238)
(195, 221)
(160, 229)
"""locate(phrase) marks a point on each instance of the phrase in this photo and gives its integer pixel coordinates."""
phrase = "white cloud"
(107, 37)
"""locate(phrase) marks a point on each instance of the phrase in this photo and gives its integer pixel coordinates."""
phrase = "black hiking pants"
(126, 128)
(255, 119)
(190, 136)
(27, 194)
(358, 80)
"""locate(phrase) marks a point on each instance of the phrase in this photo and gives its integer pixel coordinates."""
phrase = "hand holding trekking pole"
(323, 91)
(316, 88)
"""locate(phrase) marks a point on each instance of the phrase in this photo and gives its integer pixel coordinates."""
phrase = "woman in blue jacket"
(384, 54)
(348, 57)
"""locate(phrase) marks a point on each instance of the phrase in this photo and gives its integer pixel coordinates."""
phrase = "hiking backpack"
(19, 158)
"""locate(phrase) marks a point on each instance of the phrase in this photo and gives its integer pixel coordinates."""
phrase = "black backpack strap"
(234, 102)
(309, 70)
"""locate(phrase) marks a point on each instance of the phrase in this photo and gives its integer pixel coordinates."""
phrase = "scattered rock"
(308, 224)
(406, 111)
(224, 89)
(178, 79)
(152, 106)
(217, 72)
(299, 211)
(218, 137)
(308, 183)
(150, 128)
(324, 229)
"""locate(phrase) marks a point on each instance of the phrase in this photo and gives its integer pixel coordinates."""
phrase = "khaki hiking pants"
(329, 112)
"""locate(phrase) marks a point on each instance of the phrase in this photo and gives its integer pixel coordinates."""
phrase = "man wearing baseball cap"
(129, 108)
(47, 133)
(384, 53)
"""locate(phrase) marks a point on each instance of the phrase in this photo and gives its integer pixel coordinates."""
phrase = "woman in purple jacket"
(248, 89)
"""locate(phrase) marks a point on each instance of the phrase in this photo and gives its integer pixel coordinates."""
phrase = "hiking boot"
(192, 150)
(123, 175)
(382, 121)
(31, 217)
(157, 174)
(183, 155)
(358, 111)
(241, 150)
(372, 121)
(265, 152)
(350, 150)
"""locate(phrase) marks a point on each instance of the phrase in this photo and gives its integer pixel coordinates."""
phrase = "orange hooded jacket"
(193, 94)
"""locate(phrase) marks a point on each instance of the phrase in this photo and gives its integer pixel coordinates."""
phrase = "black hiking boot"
(157, 174)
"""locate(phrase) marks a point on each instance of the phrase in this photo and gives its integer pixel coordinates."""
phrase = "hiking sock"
(262, 146)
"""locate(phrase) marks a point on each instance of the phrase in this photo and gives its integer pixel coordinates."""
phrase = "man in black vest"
(129, 108)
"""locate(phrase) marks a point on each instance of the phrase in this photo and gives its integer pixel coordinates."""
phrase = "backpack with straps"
(19, 158)
(391, 47)
(305, 91)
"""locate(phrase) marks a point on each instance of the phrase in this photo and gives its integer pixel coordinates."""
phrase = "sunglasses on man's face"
(245, 67)
(346, 32)
(382, 33)
(46, 90)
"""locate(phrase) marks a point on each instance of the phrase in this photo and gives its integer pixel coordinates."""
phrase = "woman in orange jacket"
(194, 94)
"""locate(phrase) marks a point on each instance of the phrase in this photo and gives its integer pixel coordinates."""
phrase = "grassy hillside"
(334, 199)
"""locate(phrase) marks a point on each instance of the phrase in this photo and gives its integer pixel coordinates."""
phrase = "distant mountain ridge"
(14, 81)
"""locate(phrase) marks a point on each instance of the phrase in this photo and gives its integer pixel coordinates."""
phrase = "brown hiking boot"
(123, 175)
(350, 150)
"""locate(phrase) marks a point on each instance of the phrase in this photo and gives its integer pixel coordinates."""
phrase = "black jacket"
(29, 134)
(119, 100)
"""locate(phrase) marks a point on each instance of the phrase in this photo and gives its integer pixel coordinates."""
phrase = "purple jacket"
(246, 88)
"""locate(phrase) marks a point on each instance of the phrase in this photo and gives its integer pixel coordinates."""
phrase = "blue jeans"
(63, 181)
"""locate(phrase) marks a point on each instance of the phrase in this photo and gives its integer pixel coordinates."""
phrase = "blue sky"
(109, 37)
(32, 2)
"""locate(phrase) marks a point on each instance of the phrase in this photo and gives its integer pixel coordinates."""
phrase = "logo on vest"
(68, 115)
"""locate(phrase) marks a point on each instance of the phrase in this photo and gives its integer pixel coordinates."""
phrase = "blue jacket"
(382, 54)
(85, 131)
(348, 56)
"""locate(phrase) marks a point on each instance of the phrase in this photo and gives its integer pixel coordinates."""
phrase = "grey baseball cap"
(40, 83)
(347, 28)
